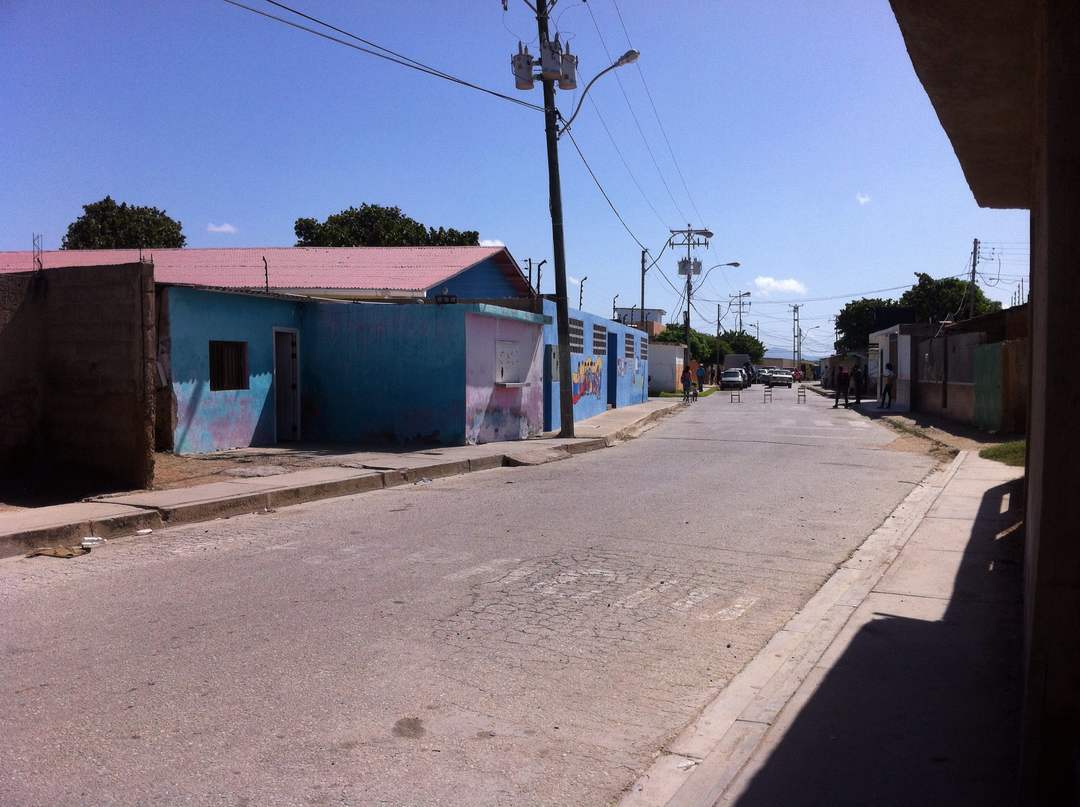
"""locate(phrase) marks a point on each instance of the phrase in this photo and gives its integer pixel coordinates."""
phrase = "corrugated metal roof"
(391, 269)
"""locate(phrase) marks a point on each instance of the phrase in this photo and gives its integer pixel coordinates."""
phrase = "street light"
(613, 299)
(629, 57)
(557, 64)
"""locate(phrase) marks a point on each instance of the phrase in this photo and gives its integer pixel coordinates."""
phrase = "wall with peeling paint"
(628, 371)
(213, 420)
(510, 407)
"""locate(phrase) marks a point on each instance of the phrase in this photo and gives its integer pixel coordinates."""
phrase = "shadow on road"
(919, 711)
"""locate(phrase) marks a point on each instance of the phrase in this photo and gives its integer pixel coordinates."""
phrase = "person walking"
(701, 377)
(687, 382)
(856, 382)
(842, 382)
(887, 379)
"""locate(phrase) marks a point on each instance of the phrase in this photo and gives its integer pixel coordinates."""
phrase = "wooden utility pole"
(971, 291)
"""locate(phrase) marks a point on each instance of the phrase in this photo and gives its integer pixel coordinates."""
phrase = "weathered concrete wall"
(511, 407)
(77, 360)
(212, 420)
(628, 367)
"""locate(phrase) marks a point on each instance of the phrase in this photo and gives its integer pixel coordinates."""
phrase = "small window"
(644, 347)
(577, 336)
(599, 340)
(628, 346)
(228, 365)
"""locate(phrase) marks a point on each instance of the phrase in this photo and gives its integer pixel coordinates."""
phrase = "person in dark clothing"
(842, 382)
(887, 380)
(701, 377)
(856, 383)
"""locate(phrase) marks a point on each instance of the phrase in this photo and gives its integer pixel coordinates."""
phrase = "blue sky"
(805, 139)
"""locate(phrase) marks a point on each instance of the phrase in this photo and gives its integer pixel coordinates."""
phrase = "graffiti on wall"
(587, 378)
(633, 369)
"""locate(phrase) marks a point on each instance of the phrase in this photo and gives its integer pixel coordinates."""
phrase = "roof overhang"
(977, 63)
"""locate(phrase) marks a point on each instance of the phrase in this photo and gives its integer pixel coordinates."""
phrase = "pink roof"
(369, 269)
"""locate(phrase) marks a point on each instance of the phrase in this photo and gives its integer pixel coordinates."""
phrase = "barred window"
(644, 347)
(228, 365)
(599, 340)
(577, 336)
(628, 346)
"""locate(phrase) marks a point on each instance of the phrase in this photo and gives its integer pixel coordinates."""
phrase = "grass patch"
(1010, 453)
(708, 391)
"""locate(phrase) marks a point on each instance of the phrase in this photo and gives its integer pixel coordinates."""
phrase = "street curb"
(698, 765)
(155, 517)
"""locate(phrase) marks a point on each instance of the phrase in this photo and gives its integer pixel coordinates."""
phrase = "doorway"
(286, 385)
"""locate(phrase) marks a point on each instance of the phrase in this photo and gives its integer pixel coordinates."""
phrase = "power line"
(603, 193)
(659, 122)
(629, 170)
(387, 55)
(629, 106)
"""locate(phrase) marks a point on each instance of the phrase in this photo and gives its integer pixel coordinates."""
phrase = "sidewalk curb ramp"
(121, 514)
(697, 766)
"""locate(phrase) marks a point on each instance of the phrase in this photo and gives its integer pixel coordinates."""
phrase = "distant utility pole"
(740, 300)
(718, 337)
(581, 293)
(689, 238)
(795, 331)
(757, 331)
(643, 271)
(974, 263)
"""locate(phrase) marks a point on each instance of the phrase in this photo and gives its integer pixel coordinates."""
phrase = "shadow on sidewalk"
(918, 710)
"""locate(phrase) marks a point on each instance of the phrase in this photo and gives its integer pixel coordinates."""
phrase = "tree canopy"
(929, 300)
(742, 342)
(857, 320)
(107, 225)
(703, 346)
(377, 226)
(945, 299)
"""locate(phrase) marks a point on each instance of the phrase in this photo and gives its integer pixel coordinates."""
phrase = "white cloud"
(862, 198)
(491, 242)
(767, 285)
(224, 228)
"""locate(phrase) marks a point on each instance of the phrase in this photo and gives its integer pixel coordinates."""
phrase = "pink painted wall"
(494, 412)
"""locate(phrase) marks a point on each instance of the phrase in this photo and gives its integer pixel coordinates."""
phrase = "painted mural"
(587, 379)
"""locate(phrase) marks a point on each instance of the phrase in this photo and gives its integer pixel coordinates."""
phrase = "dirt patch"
(172, 471)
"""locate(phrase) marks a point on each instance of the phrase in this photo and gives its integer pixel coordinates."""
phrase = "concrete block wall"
(83, 385)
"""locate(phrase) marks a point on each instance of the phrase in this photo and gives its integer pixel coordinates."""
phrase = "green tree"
(702, 345)
(377, 226)
(857, 320)
(937, 300)
(107, 225)
(742, 342)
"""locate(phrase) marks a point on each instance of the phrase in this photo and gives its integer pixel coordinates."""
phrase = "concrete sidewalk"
(327, 472)
(897, 684)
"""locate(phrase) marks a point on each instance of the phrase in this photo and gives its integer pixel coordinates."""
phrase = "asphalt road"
(518, 636)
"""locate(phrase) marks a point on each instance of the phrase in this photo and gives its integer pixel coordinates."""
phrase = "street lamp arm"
(627, 58)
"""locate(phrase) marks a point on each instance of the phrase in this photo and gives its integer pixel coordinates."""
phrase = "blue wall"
(383, 373)
(594, 374)
(486, 280)
(212, 420)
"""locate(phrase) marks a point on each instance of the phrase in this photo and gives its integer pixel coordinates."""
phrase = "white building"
(665, 367)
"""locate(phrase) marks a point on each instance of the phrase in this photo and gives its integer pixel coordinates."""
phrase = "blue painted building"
(250, 369)
(609, 365)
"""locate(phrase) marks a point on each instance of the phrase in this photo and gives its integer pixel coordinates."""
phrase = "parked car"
(763, 374)
(733, 379)
(780, 378)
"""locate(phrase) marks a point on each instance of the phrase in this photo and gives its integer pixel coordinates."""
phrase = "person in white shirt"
(888, 378)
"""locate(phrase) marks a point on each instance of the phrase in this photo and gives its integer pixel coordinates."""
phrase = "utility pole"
(795, 333)
(757, 331)
(718, 341)
(740, 301)
(690, 238)
(562, 312)
(613, 299)
(643, 271)
(581, 292)
(974, 263)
